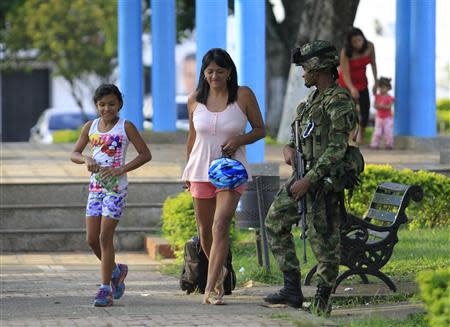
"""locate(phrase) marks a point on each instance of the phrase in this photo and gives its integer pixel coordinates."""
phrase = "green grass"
(416, 251)
(270, 140)
(414, 320)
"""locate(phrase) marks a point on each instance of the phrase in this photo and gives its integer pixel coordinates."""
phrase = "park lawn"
(413, 320)
(416, 251)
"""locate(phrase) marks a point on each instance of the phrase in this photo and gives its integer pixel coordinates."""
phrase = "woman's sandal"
(209, 299)
(219, 288)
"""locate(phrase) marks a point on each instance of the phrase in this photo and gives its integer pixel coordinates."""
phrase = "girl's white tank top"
(212, 130)
(108, 150)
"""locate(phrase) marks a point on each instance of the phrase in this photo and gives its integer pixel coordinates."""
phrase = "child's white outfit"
(107, 196)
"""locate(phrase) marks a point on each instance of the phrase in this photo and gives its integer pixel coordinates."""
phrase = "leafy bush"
(66, 136)
(432, 211)
(178, 221)
(443, 104)
(269, 140)
(443, 115)
(435, 293)
(443, 121)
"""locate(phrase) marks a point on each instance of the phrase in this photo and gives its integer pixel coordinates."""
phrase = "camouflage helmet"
(316, 55)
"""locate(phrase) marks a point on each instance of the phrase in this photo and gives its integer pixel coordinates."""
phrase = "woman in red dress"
(355, 56)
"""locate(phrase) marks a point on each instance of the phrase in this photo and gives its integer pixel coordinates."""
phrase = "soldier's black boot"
(291, 294)
(321, 304)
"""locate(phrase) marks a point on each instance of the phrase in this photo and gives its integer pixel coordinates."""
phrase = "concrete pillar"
(130, 60)
(402, 87)
(163, 65)
(250, 58)
(423, 68)
(210, 26)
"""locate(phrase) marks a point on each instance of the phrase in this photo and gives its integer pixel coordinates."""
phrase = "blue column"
(130, 60)
(250, 58)
(210, 26)
(423, 68)
(163, 65)
(402, 87)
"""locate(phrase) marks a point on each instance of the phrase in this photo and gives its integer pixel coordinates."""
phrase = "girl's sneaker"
(117, 282)
(103, 298)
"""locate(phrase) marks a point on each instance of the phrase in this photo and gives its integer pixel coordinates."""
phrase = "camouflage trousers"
(323, 221)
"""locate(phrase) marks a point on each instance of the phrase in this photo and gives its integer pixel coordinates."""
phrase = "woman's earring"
(228, 78)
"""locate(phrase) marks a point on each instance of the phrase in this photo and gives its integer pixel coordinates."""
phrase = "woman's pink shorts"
(206, 190)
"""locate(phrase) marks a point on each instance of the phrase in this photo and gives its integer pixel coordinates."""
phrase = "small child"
(109, 136)
(384, 120)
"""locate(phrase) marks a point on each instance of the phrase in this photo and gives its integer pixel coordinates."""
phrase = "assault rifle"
(299, 170)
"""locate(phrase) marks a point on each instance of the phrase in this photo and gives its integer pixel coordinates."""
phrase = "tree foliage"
(76, 37)
(185, 17)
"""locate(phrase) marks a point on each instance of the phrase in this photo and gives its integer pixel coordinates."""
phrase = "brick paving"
(38, 163)
(58, 289)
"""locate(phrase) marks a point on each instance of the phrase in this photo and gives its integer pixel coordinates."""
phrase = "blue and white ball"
(227, 173)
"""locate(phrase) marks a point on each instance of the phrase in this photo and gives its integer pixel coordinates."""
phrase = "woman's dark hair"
(107, 89)
(222, 59)
(348, 43)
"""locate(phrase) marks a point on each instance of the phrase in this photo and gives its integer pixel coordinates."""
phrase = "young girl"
(383, 120)
(109, 136)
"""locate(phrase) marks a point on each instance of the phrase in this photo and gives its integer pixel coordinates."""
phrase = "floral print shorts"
(106, 204)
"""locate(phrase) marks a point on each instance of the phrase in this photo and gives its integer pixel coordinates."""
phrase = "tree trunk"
(280, 40)
(320, 20)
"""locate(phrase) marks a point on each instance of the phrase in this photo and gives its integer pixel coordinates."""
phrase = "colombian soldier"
(325, 121)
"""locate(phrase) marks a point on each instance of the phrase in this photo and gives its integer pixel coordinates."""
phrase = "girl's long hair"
(222, 59)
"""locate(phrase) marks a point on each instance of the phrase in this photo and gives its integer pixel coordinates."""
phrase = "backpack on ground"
(195, 269)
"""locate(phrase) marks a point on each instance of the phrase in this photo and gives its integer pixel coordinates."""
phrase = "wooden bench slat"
(390, 199)
(368, 243)
(381, 215)
(381, 235)
(394, 187)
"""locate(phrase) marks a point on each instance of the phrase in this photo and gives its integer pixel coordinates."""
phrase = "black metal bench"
(367, 244)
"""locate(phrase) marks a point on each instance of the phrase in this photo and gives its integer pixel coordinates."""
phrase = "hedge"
(432, 211)
(178, 220)
(435, 293)
(66, 136)
(443, 104)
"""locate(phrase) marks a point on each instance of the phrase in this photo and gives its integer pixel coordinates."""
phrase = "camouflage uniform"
(334, 116)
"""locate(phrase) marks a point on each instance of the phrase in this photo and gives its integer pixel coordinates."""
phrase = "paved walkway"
(57, 289)
(36, 163)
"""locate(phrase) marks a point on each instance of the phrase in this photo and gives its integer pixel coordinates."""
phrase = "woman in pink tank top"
(218, 114)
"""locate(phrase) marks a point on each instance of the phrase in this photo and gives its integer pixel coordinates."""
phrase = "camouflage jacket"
(325, 122)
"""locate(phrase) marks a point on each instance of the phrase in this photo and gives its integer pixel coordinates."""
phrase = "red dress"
(357, 68)
(384, 100)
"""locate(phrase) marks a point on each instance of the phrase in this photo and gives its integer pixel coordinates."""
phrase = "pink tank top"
(212, 130)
